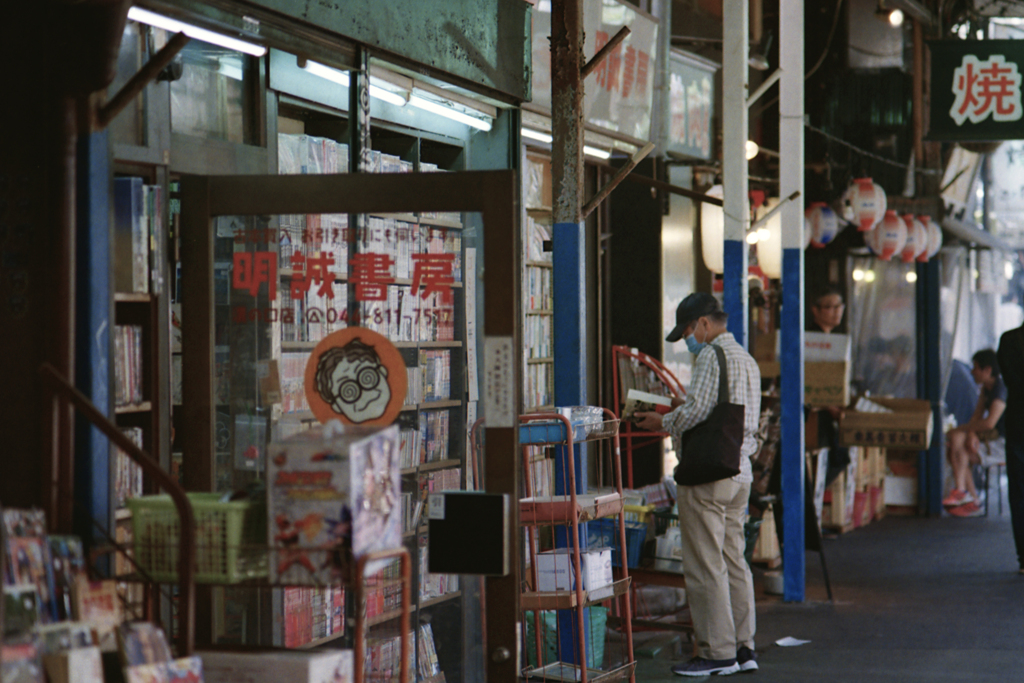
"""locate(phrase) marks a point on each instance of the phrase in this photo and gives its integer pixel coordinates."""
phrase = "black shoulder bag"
(710, 450)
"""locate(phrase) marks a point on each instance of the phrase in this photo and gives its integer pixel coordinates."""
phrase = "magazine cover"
(185, 670)
(21, 608)
(146, 673)
(141, 642)
(28, 562)
(68, 561)
(24, 522)
(20, 663)
(80, 665)
(330, 492)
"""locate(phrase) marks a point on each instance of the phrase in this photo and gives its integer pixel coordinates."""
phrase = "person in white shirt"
(719, 585)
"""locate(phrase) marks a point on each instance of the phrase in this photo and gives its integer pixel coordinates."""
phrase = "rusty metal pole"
(569, 264)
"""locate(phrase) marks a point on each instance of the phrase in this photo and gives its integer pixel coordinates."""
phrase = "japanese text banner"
(976, 90)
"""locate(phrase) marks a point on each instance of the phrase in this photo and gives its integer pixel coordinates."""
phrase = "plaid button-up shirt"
(702, 394)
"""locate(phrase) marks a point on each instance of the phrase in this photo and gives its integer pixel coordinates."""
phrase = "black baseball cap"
(692, 307)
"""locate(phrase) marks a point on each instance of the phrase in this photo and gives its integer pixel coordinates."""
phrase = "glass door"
(272, 265)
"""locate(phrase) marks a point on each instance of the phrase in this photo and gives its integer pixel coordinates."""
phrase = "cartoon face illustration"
(353, 381)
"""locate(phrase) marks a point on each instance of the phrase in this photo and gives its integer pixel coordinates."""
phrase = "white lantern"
(824, 224)
(934, 238)
(888, 237)
(917, 239)
(867, 203)
(769, 251)
(712, 232)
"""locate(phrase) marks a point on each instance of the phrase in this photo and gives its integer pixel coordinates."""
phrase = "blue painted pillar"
(93, 321)
(791, 179)
(570, 360)
(792, 445)
(929, 383)
(735, 295)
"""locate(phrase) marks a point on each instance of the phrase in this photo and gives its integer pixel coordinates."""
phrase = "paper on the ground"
(790, 641)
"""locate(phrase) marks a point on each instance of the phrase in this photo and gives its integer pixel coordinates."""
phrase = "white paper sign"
(435, 506)
(499, 382)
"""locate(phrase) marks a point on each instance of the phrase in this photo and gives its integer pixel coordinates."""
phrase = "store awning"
(972, 233)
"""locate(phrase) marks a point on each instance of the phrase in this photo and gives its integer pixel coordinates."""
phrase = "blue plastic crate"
(604, 533)
(549, 432)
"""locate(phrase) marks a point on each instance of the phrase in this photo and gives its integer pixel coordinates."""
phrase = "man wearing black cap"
(719, 585)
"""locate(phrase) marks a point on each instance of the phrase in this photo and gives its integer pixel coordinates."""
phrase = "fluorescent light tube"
(537, 135)
(595, 152)
(341, 78)
(448, 112)
(326, 72)
(174, 26)
(390, 96)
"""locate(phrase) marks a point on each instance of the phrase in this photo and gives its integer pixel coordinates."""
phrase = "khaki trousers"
(719, 585)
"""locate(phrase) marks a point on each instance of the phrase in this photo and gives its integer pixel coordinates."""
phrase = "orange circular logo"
(357, 376)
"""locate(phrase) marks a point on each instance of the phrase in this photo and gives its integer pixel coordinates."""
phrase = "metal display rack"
(570, 510)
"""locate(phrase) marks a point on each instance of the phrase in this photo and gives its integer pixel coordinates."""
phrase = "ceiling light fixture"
(342, 78)
(595, 152)
(449, 112)
(174, 26)
(537, 135)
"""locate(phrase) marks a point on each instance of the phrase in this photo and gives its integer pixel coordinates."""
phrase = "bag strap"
(723, 374)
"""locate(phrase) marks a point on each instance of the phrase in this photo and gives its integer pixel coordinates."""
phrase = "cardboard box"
(826, 383)
(554, 569)
(900, 490)
(330, 666)
(909, 426)
(818, 347)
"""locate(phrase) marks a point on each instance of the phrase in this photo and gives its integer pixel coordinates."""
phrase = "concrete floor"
(916, 599)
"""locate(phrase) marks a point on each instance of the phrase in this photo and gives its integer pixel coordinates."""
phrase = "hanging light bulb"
(752, 237)
(752, 149)
(858, 275)
(911, 277)
(896, 18)
(869, 276)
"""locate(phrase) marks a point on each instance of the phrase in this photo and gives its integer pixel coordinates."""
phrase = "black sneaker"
(698, 666)
(746, 658)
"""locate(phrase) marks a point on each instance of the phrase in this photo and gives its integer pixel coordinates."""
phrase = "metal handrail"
(61, 389)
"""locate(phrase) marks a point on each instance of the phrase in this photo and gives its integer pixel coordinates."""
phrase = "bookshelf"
(538, 316)
(138, 280)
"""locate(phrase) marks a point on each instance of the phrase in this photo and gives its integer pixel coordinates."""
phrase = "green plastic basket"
(230, 538)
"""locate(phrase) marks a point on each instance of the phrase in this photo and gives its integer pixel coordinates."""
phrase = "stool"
(999, 487)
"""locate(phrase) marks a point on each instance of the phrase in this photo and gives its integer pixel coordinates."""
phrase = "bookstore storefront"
(246, 256)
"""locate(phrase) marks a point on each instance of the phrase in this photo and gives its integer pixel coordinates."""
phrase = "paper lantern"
(824, 224)
(712, 232)
(888, 237)
(917, 239)
(867, 203)
(769, 251)
(934, 238)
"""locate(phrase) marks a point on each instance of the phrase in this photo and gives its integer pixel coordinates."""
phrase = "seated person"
(827, 309)
(963, 444)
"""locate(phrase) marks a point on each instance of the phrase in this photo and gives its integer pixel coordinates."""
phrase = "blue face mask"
(693, 345)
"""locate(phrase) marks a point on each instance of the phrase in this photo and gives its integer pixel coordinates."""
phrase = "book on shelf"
(127, 365)
(127, 473)
(67, 558)
(131, 236)
(644, 402)
(426, 661)
(302, 666)
(185, 670)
